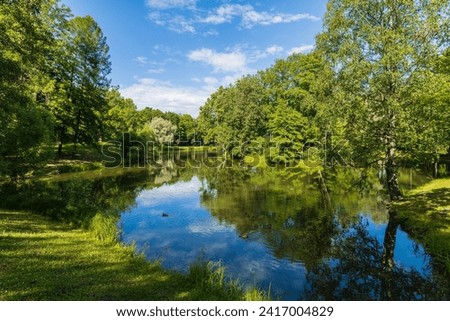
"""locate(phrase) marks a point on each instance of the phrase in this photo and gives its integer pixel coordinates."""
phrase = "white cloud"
(253, 18)
(211, 81)
(166, 96)
(273, 50)
(269, 51)
(211, 33)
(176, 23)
(141, 59)
(167, 4)
(301, 49)
(250, 17)
(156, 70)
(226, 13)
(208, 227)
(234, 61)
(230, 79)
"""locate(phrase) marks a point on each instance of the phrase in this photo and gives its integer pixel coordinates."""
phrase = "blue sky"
(172, 54)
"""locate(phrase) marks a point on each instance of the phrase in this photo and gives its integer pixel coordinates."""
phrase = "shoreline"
(425, 215)
(46, 260)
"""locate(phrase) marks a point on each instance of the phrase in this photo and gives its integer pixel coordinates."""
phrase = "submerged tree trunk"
(387, 263)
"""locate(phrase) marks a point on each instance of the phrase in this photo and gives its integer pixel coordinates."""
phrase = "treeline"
(145, 125)
(375, 91)
(277, 112)
(55, 90)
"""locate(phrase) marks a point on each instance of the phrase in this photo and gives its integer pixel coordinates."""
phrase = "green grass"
(425, 214)
(46, 260)
(86, 158)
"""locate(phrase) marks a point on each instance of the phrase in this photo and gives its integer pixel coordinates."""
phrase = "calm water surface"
(270, 231)
(307, 237)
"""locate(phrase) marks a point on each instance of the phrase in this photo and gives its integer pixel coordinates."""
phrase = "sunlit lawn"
(44, 260)
(426, 216)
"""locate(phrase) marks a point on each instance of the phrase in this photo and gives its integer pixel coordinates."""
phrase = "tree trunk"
(60, 142)
(390, 160)
(391, 176)
(77, 133)
(60, 146)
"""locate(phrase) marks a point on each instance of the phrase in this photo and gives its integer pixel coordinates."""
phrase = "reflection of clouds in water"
(217, 246)
(265, 272)
(208, 227)
(171, 193)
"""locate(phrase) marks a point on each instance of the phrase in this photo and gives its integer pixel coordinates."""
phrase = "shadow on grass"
(44, 260)
(425, 215)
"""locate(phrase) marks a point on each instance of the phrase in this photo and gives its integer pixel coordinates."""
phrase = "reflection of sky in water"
(191, 232)
(407, 253)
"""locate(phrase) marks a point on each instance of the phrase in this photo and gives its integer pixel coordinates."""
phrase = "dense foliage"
(375, 91)
(55, 90)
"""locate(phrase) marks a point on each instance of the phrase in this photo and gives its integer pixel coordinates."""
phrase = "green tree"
(381, 53)
(83, 82)
(163, 130)
(27, 36)
(174, 118)
(291, 104)
(186, 130)
(234, 117)
(287, 128)
(147, 114)
(121, 116)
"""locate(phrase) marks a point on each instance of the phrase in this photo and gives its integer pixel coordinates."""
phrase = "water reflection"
(305, 236)
(363, 268)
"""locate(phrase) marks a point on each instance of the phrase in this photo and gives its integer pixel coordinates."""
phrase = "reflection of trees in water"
(293, 217)
(285, 209)
(289, 218)
(77, 199)
(361, 268)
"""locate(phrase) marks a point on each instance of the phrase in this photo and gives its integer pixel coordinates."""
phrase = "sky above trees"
(172, 54)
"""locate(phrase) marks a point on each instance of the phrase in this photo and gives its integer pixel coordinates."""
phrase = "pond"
(302, 236)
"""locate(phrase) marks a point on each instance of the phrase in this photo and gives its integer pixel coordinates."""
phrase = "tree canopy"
(375, 91)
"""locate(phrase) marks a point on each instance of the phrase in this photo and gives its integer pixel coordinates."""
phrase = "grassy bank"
(45, 260)
(88, 158)
(425, 214)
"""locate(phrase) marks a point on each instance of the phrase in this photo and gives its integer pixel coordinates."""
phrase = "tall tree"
(382, 53)
(234, 116)
(84, 80)
(291, 104)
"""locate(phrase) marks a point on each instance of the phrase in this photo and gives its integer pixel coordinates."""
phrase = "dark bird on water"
(165, 215)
